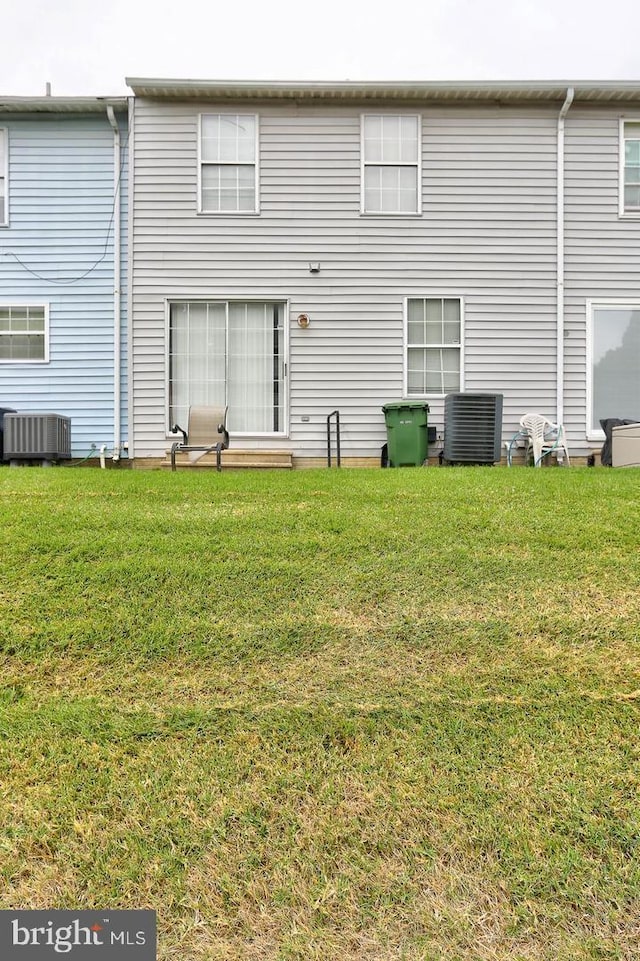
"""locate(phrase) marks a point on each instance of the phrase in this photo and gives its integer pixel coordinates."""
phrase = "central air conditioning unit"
(44, 437)
(472, 428)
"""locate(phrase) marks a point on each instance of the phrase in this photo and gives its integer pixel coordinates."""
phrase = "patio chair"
(544, 438)
(206, 432)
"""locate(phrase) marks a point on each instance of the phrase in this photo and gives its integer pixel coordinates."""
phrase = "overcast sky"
(88, 47)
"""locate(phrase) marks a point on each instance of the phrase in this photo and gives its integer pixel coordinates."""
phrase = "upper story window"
(4, 173)
(24, 334)
(433, 346)
(390, 164)
(228, 163)
(630, 162)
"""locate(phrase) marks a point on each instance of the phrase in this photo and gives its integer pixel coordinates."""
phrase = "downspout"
(116, 283)
(560, 260)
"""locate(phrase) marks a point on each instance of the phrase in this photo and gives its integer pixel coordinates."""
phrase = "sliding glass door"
(232, 353)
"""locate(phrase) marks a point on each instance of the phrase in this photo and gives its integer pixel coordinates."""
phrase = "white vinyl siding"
(390, 164)
(228, 354)
(630, 167)
(228, 163)
(24, 334)
(433, 348)
(613, 363)
(601, 257)
(4, 177)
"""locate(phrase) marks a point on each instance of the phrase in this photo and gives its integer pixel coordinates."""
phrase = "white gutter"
(560, 260)
(129, 445)
(116, 282)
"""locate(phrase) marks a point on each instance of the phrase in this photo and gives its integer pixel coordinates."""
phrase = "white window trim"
(405, 341)
(45, 306)
(622, 213)
(256, 164)
(268, 299)
(592, 432)
(4, 172)
(417, 164)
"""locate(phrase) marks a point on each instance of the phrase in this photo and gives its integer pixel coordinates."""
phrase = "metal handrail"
(336, 414)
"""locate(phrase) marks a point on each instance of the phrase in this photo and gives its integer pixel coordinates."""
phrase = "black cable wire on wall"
(76, 280)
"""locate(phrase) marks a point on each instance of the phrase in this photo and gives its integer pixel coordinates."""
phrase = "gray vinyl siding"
(602, 250)
(487, 233)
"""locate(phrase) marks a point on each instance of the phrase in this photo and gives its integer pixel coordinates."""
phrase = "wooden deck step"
(235, 459)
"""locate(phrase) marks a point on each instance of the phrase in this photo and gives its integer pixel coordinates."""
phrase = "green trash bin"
(407, 432)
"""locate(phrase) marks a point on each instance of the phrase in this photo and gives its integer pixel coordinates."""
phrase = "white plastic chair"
(544, 438)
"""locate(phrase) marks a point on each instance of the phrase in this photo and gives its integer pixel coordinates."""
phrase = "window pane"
(632, 166)
(409, 139)
(211, 188)
(390, 189)
(227, 187)
(451, 309)
(416, 366)
(416, 332)
(246, 188)
(196, 357)
(632, 197)
(632, 152)
(35, 318)
(434, 320)
(390, 139)
(372, 139)
(22, 347)
(416, 309)
(18, 318)
(434, 370)
(451, 325)
(407, 190)
(434, 310)
(36, 347)
(416, 322)
(3, 158)
(228, 138)
(616, 364)
(451, 363)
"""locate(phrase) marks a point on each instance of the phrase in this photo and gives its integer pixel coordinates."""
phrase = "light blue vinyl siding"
(61, 202)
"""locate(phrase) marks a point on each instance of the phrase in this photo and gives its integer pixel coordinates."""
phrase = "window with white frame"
(4, 173)
(24, 334)
(433, 345)
(614, 362)
(228, 163)
(229, 353)
(630, 189)
(390, 164)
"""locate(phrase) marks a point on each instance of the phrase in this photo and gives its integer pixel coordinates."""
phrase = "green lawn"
(347, 715)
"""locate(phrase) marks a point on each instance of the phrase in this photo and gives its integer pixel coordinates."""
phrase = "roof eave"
(60, 104)
(379, 90)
